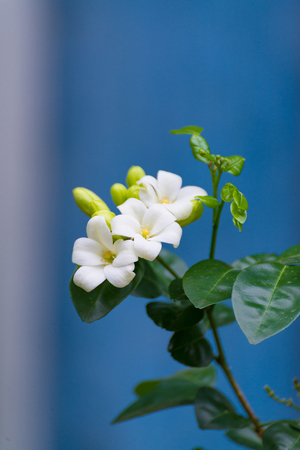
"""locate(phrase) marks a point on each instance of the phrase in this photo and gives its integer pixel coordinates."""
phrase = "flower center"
(165, 200)
(109, 256)
(145, 233)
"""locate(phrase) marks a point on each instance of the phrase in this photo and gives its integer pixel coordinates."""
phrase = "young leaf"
(179, 389)
(209, 282)
(200, 149)
(192, 129)
(240, 200)
(290, 256)
(176, 291)
(189, 347)
(266, 299)
(100, 301)
(227, 192)
(239, 214)
(150, 286)
(211, 202)
(163, 275)
(245, 437)
(281, 436)
(237, 224)
(247, 261)
(234, 165)
(215, 412)
(173, 316)
(223, 315)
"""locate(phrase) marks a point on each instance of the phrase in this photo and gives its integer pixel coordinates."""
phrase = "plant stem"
(166, 266)
(221, 359)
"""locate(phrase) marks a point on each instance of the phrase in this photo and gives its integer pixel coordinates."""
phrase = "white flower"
(166, 189)
(101, 259)
(148, 227)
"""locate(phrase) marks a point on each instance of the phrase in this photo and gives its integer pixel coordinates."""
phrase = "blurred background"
(89, 88)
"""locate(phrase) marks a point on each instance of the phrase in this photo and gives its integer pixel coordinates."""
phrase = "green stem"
(166, 266)
(215, 231)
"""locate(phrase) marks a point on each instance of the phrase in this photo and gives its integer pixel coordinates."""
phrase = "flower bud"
(108, 215)
(88, 201)
(119, 193)
(196, 213)
(134, 174)
(133, 191)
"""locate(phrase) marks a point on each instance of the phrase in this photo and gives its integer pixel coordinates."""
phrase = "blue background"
(133, 71)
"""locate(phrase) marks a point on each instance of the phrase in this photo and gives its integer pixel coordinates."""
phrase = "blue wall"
(133, 71)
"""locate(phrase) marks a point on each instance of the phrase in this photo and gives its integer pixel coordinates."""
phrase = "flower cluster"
(138, 232)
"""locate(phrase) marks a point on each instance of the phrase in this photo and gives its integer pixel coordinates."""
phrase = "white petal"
(147, 249)
(170, 235)
(168, 184)
(148, 193)
(190, 192)
(125, 253)
(181, 209)
(98, 231)
(88, 278)
(156, 219)
(119, 276)
(148, 179)
(87, 252)
(123, 225)
(134, 208)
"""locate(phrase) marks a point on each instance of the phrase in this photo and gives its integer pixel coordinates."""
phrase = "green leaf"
(215, 412)
(209, 201)
(100, 301)
(150, 286)
(247, 261)
(189, 347)
(192, 129)
(173, 316)
(245, 437)
(234, 165)
(177, 390)
(240, 200)
(209, 282)
(266, 299)
(227, 192)
(239, 214)
(223, 315)
(162, 274)
(237, 224)
(290, 256)
(176, 291)
(200, 149)
(281, 436)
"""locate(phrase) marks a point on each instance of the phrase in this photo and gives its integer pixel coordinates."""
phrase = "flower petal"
(157, 218)
(168, 184)
(88, 278)
(181, 209)
(125, 253)
(134, 208)
(119, 276)
(124, 225)
(148, 193)
(190, 192)
(148, 179)
(170, 235)
(87, 252)
(147, 249)
(97, 230)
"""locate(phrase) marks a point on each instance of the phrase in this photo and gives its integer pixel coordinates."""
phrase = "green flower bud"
(108, 215)
(195, 215)
(88, 201)
(119, 193)
(134, 174)
(133, 191)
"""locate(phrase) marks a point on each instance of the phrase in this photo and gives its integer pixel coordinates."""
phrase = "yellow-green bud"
(134, 174)
(133, 191)
(88, 201)
(108, 215)
(196, 213)
(119, 193)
